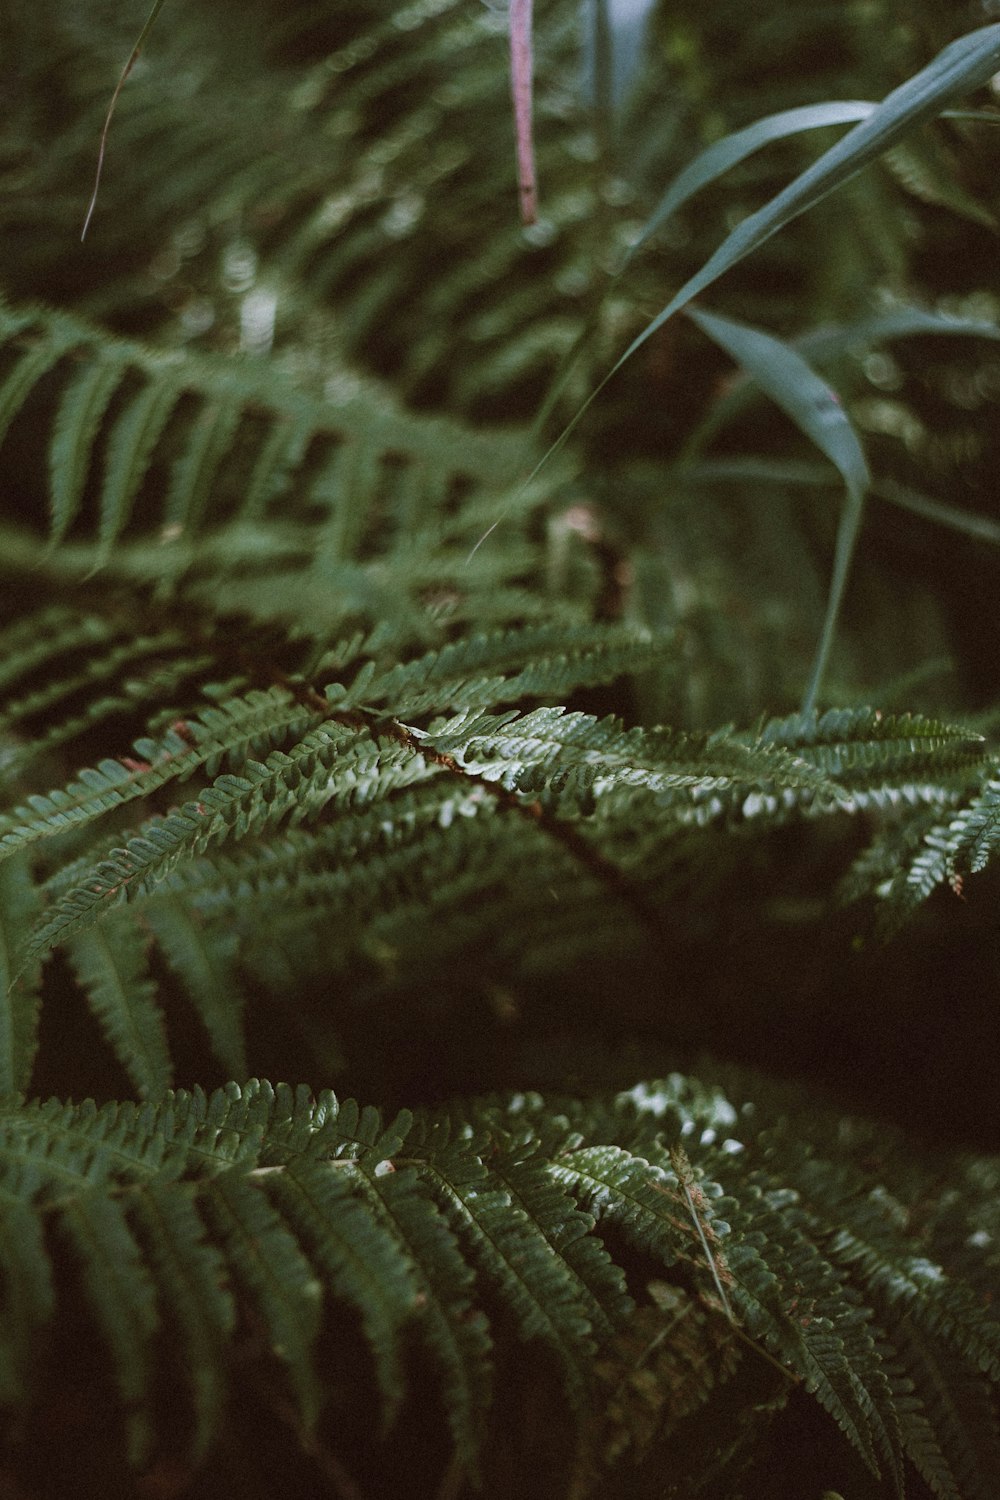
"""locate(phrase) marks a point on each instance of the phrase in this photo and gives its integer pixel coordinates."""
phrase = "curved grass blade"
(981, 528)
(783, 374)
(718, 158)
(822, 344)
(828, 344)
(816, 410)
(963, 65)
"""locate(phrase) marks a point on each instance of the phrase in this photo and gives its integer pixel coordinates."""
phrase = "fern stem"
(682, 1168)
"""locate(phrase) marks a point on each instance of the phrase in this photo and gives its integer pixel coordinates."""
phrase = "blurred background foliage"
(335, 183)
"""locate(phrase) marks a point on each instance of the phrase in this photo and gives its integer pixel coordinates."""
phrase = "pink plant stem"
(520, 83)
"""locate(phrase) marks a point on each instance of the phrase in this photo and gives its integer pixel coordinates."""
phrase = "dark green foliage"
(414, 1224)
(354, 729)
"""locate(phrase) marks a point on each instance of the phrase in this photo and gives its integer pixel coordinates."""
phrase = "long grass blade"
(823, 344)
(816, 409)
(782, 373)
(962, 66)
(718, 158)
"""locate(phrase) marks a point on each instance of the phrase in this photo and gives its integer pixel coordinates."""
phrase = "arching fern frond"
(212, 472)
(342, 815)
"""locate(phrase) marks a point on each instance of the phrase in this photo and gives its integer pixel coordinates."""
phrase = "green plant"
(368, 680)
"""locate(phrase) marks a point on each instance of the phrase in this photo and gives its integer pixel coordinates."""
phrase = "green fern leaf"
(274, 1275)
(599, 1286)
(514, 1257)
(914, 1287)
(130, 451)
(206, 969)
(363, 1265)
(153, 675)
(190, 1277)
(954, 1436)
(212, 435)
(122, 1293)
(27, 1301)
(20, 982)
(292, 784)
(229, 731)
(544, 661)
(111, 964)
(73, 437)
(456, 1333)
(31, 367)
(33, 641)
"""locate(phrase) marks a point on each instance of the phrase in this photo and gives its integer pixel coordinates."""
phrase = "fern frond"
(542, 661)
(34, 640)
(860, 743)
(828, 1339)
(293, 784)
(275, 1202)
(231, 730)
(364, 1266)
(515, 1256)
(334, 806)
(94, 671)
(911, 862)
(360, 441)
(261, 469)
(915, 1288)
(206, 967)
(29, 1297)
(587, 756)
(953, 1436)
(672, 1358)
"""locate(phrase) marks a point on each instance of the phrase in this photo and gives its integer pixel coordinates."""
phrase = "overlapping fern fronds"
(330, 504)
(349, 806)
(274, 1204)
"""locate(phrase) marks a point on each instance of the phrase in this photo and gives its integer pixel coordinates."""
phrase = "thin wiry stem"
(157, 7)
